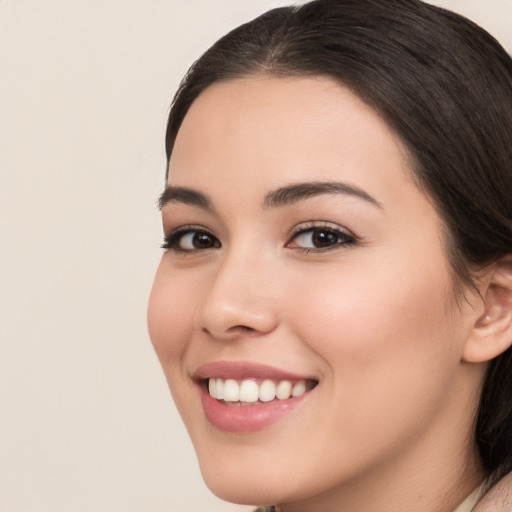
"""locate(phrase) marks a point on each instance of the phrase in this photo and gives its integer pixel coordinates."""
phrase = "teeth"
(219, 387)
(248, 390)
(231, 391)
(212, 387)
(267, 391)
(216, 388)
(284, 390)
(299, 388)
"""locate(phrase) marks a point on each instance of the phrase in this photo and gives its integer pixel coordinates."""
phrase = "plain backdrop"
(86, 420)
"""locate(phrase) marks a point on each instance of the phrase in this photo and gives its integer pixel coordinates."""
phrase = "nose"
(240, 299)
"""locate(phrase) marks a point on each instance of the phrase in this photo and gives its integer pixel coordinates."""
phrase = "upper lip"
(240, 370)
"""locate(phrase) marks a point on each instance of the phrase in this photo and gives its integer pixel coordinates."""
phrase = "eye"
(190, 239)
(320, 238)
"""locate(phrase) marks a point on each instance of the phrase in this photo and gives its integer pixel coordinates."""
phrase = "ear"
(491, 333)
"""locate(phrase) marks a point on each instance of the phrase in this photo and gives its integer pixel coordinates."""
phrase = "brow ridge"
(298, 191)
(282, 196)
(184, 195)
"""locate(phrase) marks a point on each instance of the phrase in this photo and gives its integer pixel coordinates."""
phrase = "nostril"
(241, 331)
(229, 322)
(233, 330)
(240, 328)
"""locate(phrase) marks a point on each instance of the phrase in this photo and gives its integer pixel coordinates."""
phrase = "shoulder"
(498, 498)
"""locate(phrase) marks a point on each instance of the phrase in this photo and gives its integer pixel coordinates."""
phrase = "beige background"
(86, 422)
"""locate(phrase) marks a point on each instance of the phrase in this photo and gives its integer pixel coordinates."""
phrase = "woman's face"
(302, 256)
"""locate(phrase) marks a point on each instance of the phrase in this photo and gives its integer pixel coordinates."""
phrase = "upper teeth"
(249, 391)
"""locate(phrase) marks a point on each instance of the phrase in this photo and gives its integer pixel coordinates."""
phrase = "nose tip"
(232, 317)
(238, 302)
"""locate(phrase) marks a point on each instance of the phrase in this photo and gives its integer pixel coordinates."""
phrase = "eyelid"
(320, 224)
(310, 226)
(172, 239)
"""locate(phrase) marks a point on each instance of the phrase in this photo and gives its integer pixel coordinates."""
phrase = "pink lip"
(244, 370)
(251, 418)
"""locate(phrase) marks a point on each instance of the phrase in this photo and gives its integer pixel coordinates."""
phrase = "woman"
(333, 309)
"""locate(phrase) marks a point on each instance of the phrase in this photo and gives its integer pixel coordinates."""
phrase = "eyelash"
(172, 240)
(346, 239)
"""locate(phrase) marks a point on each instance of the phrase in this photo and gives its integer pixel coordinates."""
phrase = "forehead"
(266, 131)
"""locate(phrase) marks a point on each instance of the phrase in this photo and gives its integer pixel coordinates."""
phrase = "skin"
(376, 321)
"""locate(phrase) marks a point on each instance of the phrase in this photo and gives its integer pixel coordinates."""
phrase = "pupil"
(324, 238)
(202, 241)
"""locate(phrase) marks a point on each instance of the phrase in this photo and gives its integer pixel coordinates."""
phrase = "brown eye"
(197, 240)
(191, 240)
(320, 238)
(324, 238)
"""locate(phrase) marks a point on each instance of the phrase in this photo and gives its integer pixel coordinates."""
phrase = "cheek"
(171, 311)
(170, 316)
(358, 302)
(386, 335)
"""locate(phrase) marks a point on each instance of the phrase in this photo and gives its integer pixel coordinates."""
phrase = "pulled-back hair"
(444, 85)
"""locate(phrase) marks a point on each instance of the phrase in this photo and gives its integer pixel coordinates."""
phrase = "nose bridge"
(239, 298)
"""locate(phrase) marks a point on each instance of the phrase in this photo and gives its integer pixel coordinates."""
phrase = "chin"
(237, 477)
(257, 491)
(261, 480)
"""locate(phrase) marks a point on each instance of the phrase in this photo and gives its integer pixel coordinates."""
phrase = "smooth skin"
(353, 288)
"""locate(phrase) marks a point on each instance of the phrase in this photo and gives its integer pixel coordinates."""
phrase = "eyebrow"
(280, 197)
(299, 191)
(185, 196)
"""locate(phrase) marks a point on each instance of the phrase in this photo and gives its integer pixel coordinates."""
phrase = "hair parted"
(444, 85)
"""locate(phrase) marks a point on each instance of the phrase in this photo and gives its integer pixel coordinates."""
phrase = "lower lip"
(249, 418)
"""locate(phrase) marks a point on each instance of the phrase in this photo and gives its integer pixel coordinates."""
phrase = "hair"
(444, 85)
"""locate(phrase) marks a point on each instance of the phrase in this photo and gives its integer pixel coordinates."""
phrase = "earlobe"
(491, 333)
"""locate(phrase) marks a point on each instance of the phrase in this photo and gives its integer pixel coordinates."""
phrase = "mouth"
(253, 391)
(246, 397)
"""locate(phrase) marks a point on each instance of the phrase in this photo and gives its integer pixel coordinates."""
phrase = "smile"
(256, 391)
(242, 397)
